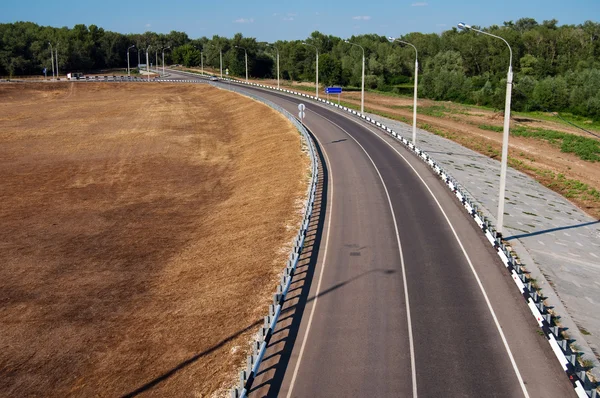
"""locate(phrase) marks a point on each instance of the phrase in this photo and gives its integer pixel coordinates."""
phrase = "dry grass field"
(143, 229)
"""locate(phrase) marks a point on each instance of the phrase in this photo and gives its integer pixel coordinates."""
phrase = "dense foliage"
(556, 68)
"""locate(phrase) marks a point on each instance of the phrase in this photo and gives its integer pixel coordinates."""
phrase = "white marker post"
(301, 114)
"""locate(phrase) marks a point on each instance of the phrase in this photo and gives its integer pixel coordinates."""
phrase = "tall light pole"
(220, 58)
(277, 50)
(317, 79)
(503, 164)
(163, 57)
(148, 62)
(246, 57)
(416, 85)
(56, 59)
(130, 47)
(156, 59)
(362, 88)
(52, 59)
(202, 62)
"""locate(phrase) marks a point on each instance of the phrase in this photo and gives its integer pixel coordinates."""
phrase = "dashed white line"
(404, 279)
(481, 288)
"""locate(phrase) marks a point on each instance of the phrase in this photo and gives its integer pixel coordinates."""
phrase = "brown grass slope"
(142, 231)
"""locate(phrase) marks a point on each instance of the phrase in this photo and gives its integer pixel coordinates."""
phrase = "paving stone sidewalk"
(558, 243)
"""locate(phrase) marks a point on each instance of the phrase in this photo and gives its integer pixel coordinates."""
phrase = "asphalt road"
(405, 297)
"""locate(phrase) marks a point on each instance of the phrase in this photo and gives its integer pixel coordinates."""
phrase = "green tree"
(186, 55)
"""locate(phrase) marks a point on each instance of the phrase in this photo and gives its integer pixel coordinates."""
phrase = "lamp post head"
(462, 25)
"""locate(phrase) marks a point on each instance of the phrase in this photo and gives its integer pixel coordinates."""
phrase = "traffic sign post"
(301, 114)
(333, 90)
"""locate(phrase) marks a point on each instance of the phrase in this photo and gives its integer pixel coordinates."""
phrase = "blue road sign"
(333, 90)
(44, 71)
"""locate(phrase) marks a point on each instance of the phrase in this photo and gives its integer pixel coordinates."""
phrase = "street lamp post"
(362, 88)
(277, 50)
(163, 57)
(246, 58)
(148, 62)
(52, 59)
(130, 47)
(220, 58)
(202, 63)
(317, 78)
(56, 59)
(503, 164)
(416, 85)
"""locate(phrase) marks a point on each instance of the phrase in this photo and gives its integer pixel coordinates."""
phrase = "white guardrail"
(582, 385)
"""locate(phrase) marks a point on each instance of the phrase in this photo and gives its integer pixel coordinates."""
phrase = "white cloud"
(292, 14)
(419, 4)
(362, 18)
(244, 20)
(288, 19)
(148, 25)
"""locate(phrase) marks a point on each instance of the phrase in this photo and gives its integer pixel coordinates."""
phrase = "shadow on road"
(545, 231)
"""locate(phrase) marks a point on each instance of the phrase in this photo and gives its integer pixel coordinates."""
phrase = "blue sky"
(286, 20)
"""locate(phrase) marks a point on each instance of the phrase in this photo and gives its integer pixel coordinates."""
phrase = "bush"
(551, 93)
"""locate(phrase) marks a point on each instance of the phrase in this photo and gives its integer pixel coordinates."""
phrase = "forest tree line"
(556, 67)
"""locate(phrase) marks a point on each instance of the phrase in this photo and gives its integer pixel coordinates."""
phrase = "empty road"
(405, 296)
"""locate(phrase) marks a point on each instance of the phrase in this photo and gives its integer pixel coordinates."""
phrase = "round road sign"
(301, 107)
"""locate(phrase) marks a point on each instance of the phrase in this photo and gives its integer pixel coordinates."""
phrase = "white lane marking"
(408, 317)
(481, 288)
(312, 311)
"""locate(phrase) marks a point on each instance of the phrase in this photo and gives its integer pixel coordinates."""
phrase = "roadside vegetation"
(585, 148)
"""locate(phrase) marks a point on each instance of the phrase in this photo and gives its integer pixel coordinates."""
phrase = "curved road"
(406, 296)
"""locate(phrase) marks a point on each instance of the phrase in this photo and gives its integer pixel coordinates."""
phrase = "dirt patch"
(143, 227)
